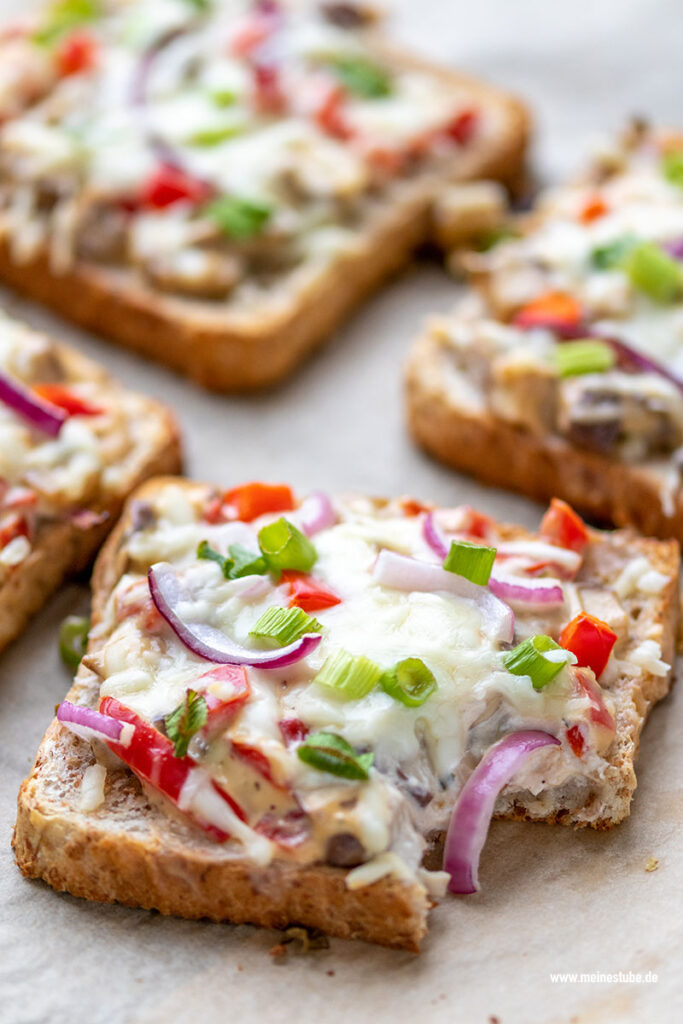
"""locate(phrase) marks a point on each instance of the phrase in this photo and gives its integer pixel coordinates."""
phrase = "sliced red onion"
(404, 573)
(474, 809)
(316, 513)
(539, 551)
(523, 591)
(207, 641)
(675, 248)
(90, 724)
(36, 411)
(434, 537)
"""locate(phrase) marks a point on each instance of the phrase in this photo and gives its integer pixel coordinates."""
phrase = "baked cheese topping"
(72, 471)
(286, 799)
(579, 329)
(215, 147)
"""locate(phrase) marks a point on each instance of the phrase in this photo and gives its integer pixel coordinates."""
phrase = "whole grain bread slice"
(68, 544)
(230, 349)
(132, 851)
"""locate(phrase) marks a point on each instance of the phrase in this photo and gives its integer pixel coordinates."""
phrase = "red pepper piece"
(269, 97)
(293, 730)
(256, 759)
(562, 526)
(77, 52)
(575, 740)
(14, 526)
(587, 686)
(329, 111)
(555, 310)
(233, 692)
(591, 640)
(595, 208)
(66, 399)
(250, 501)
(308, 593)
(463, 126)
(169, 185)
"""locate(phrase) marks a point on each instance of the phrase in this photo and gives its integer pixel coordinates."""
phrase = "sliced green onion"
(238, 218)
(186, 720)
(331, 753)
(214, 136)
(285, 547)
(672, 167)
(245, 562)
(473, 561)
(528, 659)
(65, 15)
(614, 254)
(285, 625)
(409, 682)
(586, 355)
(351, 676)
(653, 272)
(73, 639)
(363, 77)
(223, 97)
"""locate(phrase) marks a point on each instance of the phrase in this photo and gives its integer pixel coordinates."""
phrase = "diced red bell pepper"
(256, 759)
(19, 497)
(591, 640)
(562, 526)
(288, 830)
(269, 96)
(587, 686)
(293, 730)
(475, 523)
(329, 111)
(575, 740)
(225, 689)
(250, 501)
(463, 126)
(385, 159)
(412, 507)
(12, 527)
(308, 593)
(77, 52)
(169, 185)
(555, 310)
(593, 209)
(213, 509)
(66, 399)
(150, 755)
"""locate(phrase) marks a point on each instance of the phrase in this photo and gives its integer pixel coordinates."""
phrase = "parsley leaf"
(187, 719)
(239, 218)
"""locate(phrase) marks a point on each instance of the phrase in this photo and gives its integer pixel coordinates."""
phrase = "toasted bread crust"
(63, 547)
(132, 851)
(227, 352)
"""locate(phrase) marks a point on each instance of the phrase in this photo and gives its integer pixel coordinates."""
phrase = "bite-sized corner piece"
(73, 445)
(218, 186)
(562, 372)
(301, 695)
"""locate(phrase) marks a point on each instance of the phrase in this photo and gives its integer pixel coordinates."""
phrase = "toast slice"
(61, 495)
(323, 197)
(350, 875)
(562, 371)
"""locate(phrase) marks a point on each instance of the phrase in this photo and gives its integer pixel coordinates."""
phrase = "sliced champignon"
(103, 234)
(196, 273)
(344, 850)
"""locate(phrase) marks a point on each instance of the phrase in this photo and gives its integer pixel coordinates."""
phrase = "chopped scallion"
(672, 167)
(285, 547)
(613, 255)
(410, 682)
(587, 355)
(654, 273)
(238, 218)
(285, 625)
(73, 639)
(473, 561)
(351, 676)
(528, 659)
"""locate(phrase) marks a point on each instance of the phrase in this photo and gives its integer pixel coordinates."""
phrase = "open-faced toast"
(562, 372)
(219, 192)
(68, 459)
(336, 772)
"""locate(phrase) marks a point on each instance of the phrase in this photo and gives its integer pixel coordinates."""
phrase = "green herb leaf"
(488, 240)
(585, 355)
(613, 255)
(239, 218)
(654, 273)
(672, 167)
(208, 137)
(65, 15)
(223, 97)
(331, 753)
(473, 561)
(285, 547)
(285, 625)
(409, 682)
(73, 639)
(246, 563)
(528, 659)
(351, 676)
(187, 719)
(204, 550)
(363, 77)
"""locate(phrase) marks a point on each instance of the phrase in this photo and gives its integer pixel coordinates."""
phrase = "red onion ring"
(90, 724)
(403, 573)
(36, 411)
(316, 513)
(520, 590)
(434, 537)
(474, 809)
(208, 642)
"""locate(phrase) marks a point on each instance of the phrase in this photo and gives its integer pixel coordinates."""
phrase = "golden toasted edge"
(227, 354)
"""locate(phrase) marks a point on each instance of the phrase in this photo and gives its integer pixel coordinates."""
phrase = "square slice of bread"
(259, 333)
(69, 528)
(130, 849)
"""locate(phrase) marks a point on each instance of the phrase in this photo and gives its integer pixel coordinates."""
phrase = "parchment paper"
(552, 900)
